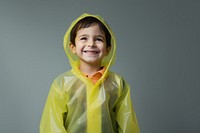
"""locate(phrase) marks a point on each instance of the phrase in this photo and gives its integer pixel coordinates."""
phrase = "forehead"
(93, 29)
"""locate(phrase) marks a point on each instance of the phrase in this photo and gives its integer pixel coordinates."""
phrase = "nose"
(91, 43)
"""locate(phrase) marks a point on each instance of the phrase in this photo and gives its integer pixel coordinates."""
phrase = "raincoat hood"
(106, 62)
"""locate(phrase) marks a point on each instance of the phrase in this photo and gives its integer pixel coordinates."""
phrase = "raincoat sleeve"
(54, 111)
(125, 115)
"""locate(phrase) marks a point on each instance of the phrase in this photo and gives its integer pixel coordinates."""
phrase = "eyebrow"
(86, 35)
(100, 36)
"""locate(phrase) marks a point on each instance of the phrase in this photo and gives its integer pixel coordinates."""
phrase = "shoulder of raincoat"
(76, 105)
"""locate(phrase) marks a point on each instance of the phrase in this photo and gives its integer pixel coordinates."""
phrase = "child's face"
(90, 45)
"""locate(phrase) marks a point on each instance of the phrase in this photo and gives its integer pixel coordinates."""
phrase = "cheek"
(79, 48)
(108, 50)
(103, 48)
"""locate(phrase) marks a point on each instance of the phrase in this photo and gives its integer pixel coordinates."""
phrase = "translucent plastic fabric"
(76, 105)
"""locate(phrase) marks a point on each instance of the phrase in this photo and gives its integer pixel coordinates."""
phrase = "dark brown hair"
(87, 22)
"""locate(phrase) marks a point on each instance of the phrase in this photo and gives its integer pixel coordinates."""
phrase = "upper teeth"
(91, 51)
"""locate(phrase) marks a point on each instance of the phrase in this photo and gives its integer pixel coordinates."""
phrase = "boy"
(89, 98)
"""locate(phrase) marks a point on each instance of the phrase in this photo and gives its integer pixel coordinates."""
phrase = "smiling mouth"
(90, 52)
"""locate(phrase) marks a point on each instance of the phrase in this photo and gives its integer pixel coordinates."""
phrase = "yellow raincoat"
(76, 105)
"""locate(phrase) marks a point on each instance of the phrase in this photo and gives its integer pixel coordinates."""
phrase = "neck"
(89, 69)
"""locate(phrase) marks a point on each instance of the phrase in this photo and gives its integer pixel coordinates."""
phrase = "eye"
(99, 39)
(83, 38)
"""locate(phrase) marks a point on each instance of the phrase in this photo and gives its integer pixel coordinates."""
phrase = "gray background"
(157, 53)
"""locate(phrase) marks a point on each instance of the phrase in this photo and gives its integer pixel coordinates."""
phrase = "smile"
(90, 52)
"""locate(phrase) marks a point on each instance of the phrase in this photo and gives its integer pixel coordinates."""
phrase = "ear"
(108, 50)
(73, 48)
